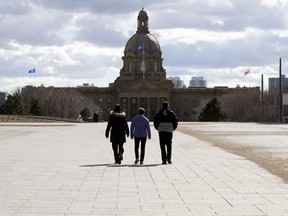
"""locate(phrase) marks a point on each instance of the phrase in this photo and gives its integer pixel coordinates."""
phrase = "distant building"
(2, 98)
(274, 83)
(178, 83)
(285, 107)
(198, 82)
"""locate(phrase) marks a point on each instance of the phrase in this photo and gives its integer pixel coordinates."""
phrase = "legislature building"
(142, 81)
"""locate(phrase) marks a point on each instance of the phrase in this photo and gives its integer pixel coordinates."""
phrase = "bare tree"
(242, 106)
(271, 106)
(60, 102)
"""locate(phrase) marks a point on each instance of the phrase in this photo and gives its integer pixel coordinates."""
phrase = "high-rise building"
(274, 83)
(197, 82)
(178, 83)
(2, 98)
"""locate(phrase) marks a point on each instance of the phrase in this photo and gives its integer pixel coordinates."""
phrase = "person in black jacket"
(118, 125)
(165, 121)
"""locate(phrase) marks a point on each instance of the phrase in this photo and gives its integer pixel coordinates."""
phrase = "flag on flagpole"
(247, 72)
(140, 47)
(32, 70)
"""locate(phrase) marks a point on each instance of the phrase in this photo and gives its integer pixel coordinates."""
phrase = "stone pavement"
(67, 169)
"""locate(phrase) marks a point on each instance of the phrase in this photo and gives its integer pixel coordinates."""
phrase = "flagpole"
(143, 66)
(280, 91)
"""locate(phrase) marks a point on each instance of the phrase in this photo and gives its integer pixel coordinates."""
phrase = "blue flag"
(140, 47)
(32, 70)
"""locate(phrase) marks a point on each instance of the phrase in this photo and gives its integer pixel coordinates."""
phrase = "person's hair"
(141, 110)
(117, 108)
(165, 105)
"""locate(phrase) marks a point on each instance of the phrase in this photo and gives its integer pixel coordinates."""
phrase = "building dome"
(142, 37)
(150, 43)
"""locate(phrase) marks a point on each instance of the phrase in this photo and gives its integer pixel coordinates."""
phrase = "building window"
(133, 100)
(134, 107)
(143, 102)
(153, 107)
(124, 100)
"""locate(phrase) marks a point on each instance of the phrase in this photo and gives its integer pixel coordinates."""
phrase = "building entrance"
(150, 104)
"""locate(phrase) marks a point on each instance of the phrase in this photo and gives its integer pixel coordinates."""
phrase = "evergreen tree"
(14, 105)
(85, 113)
(36, 108)
(212, 112)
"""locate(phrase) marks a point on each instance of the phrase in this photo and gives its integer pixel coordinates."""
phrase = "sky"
(71, 42)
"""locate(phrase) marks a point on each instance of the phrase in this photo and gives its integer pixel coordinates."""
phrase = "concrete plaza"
(67, 169)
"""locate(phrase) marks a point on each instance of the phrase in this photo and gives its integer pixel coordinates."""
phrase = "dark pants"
(165, 142)
(118, 151)
(137, 141)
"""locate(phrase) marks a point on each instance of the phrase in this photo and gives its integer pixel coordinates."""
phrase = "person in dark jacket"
(140, 129)
(117, 123)
(165, 121)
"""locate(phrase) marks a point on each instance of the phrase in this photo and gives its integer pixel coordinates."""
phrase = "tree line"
(65, 103)
(239, 106)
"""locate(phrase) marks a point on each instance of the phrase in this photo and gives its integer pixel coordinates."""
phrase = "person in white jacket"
(140, 130)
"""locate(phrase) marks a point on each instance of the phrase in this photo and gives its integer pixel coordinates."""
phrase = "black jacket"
(165, 120)
(117, 123)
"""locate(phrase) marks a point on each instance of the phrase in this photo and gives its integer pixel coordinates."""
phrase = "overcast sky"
(71, 42)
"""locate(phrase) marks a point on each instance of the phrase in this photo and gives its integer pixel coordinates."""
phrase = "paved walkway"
(67, 169)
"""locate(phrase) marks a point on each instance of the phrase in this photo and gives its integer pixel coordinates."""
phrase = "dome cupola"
(142, 26)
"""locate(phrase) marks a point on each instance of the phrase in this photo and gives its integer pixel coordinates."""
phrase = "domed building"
(142, 82)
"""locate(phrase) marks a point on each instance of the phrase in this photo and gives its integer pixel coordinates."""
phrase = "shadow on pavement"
(119, 165)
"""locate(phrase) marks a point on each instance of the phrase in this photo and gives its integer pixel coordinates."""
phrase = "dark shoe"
(141, 162)
(164, 162)
(169, 162)
(136, 161)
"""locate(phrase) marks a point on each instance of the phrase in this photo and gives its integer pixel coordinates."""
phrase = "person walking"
(117, 127)
(165, 121)
(139, 130)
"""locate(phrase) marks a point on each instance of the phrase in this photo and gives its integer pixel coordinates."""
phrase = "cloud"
(70, 41)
